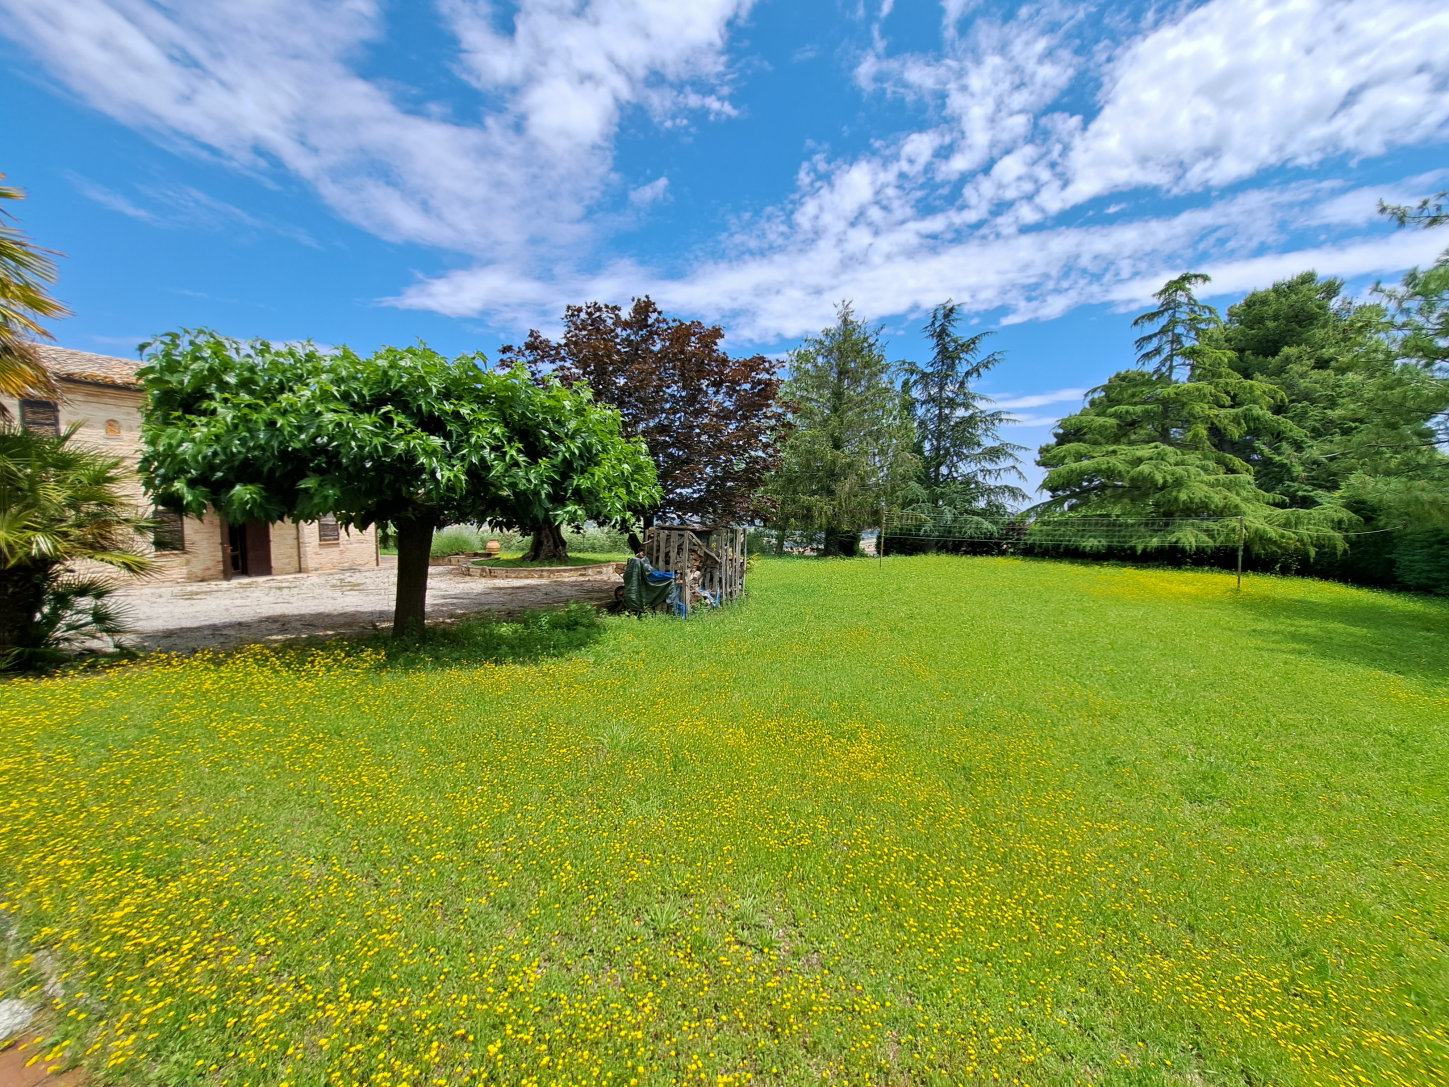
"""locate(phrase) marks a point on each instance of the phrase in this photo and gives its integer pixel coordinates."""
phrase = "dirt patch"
(225, 614)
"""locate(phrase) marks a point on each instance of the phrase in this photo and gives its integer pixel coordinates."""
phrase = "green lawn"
(956, 820)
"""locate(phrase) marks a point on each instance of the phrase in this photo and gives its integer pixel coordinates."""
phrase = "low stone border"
(601, 569)
(460, 559)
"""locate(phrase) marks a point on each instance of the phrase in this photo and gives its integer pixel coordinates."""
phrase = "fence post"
(1241, 533)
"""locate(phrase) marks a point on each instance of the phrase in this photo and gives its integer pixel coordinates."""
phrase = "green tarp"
(641, 592)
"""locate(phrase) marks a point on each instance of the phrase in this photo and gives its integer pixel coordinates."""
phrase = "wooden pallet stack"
(701, 557)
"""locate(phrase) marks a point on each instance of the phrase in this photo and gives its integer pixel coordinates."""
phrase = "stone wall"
(110, 421)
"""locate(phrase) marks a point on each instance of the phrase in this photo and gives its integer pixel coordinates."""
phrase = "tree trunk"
(410, 604)
(547, 545)
(780, 541)
(22, 594)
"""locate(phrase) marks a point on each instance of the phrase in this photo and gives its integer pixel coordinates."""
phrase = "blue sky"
(362, 172)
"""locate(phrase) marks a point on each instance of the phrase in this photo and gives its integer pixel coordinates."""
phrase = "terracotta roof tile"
(83, 366)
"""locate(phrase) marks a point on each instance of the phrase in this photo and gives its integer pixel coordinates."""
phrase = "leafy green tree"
(711, 420)
(60, 505)
(850, 452)
(1146, 446)
(1178, 322)
(1362, 417)
(25, 273)
(966, 466)
(405, 436)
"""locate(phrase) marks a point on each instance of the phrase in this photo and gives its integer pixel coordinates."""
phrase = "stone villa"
(101, 393)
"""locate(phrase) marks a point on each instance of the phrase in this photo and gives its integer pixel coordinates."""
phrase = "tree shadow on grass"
(495, 637)
(1388, 632)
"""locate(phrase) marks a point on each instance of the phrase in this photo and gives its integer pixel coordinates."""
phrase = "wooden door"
(258, 555)
(233, 550)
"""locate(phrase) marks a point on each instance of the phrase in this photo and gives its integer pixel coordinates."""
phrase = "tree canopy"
(405, 436)
(851, 448)
(1146, 446)
(26, 271)
(711, 420)
(966, 467)
(1178, 321)
(1304, 412)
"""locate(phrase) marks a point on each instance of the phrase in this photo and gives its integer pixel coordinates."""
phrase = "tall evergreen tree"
(851, 449)
(1109, 460)
(1148, 445)
(1178, 322)
(965, 462)
(1362, 416)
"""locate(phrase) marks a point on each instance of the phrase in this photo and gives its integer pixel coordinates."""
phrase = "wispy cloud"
(264, 83)
(790, 289)
(652, 193)
(182, 207)
(995, 197)
(975, 205)
(1056, 396)
(130, 342)
(1035, 421)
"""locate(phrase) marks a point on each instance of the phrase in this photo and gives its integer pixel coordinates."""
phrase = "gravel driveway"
(221, 614)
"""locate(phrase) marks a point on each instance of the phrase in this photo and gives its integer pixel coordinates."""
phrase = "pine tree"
(1146, 446)
(851, 450)
(1180, 320)
(1430, 212)
(965, 463)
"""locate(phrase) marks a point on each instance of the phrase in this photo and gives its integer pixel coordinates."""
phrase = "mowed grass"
(953, 821)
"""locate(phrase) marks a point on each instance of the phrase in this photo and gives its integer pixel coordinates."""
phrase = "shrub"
(461, 539)
(456, 540)
(597, 540)
(60, 505)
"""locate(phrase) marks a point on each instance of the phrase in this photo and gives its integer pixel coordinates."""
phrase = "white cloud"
(652, 193)
(988, 200)
(1016, 404)
(265, 83)
(789, 288)
(1240, 85)
(1036, 421)
(971, 205)
(570, 68)
(1387, 255)
(1056, 396)
(1359, 205)
(109, 198)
